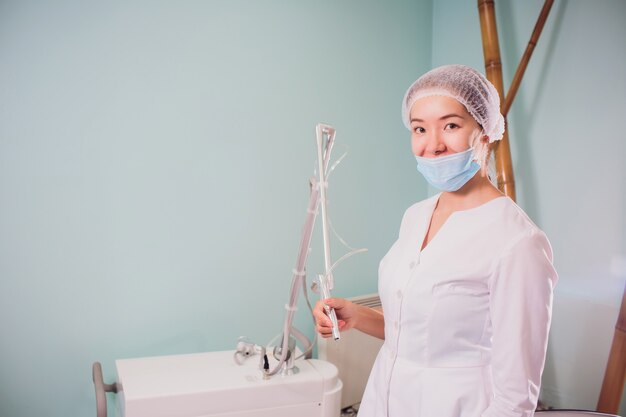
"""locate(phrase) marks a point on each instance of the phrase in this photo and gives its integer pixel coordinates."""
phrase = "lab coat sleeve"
(521, 308)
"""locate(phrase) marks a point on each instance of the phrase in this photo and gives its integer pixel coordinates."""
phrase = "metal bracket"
(101, 389)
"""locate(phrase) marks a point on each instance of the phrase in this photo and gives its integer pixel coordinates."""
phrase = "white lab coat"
(466, 319)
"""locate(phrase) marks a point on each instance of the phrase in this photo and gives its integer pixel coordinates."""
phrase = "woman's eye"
(419, 130)
(452, 126)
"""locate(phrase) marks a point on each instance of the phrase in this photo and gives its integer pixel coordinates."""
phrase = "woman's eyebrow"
(447, 116)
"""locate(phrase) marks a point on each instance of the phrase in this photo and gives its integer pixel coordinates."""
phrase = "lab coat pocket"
(470, 288)
(459, 315)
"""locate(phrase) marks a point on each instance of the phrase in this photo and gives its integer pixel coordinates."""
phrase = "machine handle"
(101, 389)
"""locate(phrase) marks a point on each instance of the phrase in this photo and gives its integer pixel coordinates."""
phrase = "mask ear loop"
(491, 169)
(484, 156)
(480, 149)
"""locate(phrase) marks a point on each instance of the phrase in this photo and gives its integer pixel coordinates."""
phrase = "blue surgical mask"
(448, 173)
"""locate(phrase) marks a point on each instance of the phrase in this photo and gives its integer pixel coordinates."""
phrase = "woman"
(467, 288)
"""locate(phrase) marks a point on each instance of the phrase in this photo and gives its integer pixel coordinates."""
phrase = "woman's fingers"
(335, 302)
(324, 325)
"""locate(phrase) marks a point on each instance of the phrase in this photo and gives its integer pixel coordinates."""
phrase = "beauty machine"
(252, 380)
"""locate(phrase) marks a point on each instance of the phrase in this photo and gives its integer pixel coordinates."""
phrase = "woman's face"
(441, 126)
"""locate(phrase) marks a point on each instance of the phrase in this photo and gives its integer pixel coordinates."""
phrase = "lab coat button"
(412, 264)
(399, 293)
(396, 324)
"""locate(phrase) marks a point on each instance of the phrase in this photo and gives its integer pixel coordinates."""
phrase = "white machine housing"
(212, 384)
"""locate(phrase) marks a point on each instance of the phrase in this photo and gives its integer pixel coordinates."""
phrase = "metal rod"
(321, 131)
(326, 280)
(101, 389)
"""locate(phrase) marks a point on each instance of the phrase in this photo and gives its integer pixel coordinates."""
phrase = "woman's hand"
(346, 315)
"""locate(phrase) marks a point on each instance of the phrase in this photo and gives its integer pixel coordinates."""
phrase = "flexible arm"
(298, 279)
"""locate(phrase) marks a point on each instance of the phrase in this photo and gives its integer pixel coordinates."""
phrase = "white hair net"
(468, 87)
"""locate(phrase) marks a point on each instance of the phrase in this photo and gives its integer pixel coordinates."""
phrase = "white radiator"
(353, 355)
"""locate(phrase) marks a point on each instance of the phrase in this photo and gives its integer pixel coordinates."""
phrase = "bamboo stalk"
(493, 70)
(521, 67)
(615, 373)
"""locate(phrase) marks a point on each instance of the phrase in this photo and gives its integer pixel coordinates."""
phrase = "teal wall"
(154, 165)
(568, 148)
(154, 159)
